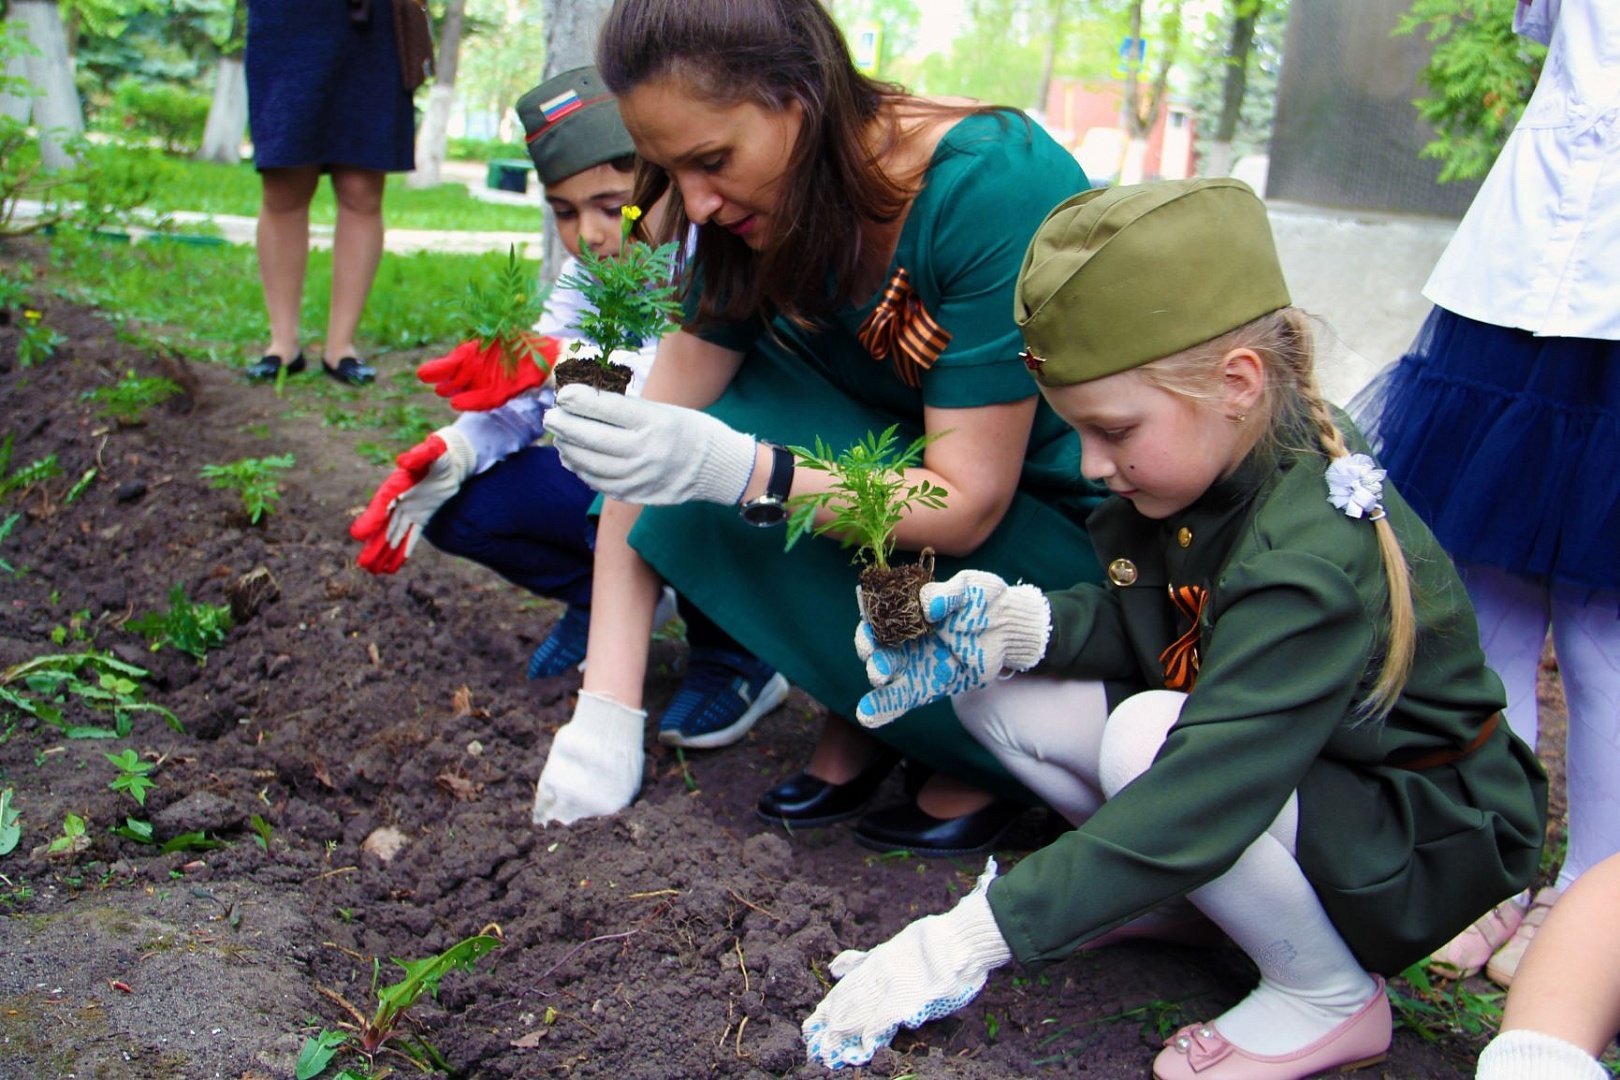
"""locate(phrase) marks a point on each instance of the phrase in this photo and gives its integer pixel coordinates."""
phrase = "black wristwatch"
(771, 507)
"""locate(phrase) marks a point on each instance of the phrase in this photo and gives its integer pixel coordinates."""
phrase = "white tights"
(1059, 739)
(1514, 616)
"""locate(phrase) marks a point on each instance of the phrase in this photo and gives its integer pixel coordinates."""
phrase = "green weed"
(261, 832)
(1437, 1009)
(253, 479)
(5, 531)
(80, 486)
(10, 831)
(134, 775)
(374, 1033)
(126, 401)
(43, 686)
(191, 627)
(73, 838)
(27, 477)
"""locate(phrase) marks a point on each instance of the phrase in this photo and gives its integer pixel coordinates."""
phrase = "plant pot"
(614, 378)
(890, 597)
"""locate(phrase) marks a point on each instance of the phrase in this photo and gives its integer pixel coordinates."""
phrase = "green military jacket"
(1288, 640)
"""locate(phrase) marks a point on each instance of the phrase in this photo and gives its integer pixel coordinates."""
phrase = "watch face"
(764, 511)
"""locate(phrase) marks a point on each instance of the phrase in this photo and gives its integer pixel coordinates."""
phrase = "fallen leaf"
(458, 787)
(531, 1040)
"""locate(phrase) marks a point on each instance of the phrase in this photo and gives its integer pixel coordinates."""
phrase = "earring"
(1237, 418)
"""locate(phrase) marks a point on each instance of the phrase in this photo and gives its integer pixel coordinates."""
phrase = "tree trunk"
(434, 134)
(1054, 27)
(56, 111)
(571, 29)
(227, 116)
(1245, 14)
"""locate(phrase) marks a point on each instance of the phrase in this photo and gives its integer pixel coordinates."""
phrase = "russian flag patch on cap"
(560, 106)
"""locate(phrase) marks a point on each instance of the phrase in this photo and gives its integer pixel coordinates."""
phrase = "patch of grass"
(206, 303)
(212, 188)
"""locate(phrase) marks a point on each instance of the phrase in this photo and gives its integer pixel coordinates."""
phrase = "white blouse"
(1539, 248)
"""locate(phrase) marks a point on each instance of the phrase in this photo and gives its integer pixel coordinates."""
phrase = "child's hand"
(930, 969)
(427, 475)
(474, 378)
(982, 627)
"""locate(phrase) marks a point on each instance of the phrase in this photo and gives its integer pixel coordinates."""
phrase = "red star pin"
(1031, 361)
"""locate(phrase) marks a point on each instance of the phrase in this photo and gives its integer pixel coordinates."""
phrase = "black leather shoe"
(909, 828)
(267, 367)
(804, 802)
(350, 371)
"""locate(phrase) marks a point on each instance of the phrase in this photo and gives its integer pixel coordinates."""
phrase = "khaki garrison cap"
(1120, 277)
(572, 124)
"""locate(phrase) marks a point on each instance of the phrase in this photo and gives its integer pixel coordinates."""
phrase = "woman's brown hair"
(771, 53)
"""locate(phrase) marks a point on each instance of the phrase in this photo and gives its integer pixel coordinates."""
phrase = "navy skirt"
(1507, 444)
(325, 91)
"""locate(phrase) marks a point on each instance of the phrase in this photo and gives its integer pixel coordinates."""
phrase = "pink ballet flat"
(1469, 952)
(1198, 1052)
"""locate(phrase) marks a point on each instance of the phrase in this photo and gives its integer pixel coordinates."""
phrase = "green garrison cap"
(1120, 277)
(572, 123)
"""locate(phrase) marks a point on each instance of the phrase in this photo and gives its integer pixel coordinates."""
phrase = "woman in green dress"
(855, 258)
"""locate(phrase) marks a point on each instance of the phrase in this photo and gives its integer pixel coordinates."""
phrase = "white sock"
(1310, 982)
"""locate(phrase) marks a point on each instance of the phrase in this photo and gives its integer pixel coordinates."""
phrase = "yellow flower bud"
(630, 212)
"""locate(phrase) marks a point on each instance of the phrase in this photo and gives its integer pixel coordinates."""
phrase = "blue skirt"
(1507, 444)
(325, 91)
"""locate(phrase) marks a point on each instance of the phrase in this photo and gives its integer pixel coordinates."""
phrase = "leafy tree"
(1479, 76)
(1234, 80)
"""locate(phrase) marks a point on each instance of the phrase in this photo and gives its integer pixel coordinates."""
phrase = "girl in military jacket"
(1277, 709)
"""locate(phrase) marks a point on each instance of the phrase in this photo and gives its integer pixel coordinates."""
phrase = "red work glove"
(473, 377)
(428, 474)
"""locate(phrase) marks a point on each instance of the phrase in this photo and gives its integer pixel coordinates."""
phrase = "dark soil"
(891, 599)
(383, 728)
(613, 378)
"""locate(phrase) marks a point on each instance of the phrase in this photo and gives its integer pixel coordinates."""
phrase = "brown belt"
(1435, 758)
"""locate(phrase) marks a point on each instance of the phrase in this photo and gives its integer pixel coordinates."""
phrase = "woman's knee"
(1135, 732)
(358, 191)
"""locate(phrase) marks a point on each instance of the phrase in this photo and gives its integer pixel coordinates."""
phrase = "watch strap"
(780, 481)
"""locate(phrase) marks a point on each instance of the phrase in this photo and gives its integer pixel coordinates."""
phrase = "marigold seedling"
(253, 479)
(869, 493)
(126, 401)
(191, 627)
(504, 312)
(631, 295)
(866, 501)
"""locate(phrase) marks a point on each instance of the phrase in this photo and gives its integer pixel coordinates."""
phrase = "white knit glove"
(649, 452)
(981, 627)
(595, 763)
(1522, 1054)
(930, 969)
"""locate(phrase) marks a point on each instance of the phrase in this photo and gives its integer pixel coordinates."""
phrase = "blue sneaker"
(722, 696)
(564, 648)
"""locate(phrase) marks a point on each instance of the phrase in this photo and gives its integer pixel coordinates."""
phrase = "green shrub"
(172, 114)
